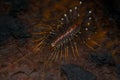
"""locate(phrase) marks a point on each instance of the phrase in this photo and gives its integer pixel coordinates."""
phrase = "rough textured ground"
(19, 62)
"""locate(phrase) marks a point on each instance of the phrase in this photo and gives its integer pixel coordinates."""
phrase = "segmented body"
(75, 27)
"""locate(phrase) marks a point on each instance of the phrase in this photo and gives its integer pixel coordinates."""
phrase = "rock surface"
(74, 72)
(10, 26)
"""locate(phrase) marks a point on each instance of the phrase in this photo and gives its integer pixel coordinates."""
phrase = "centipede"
(74, 28)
